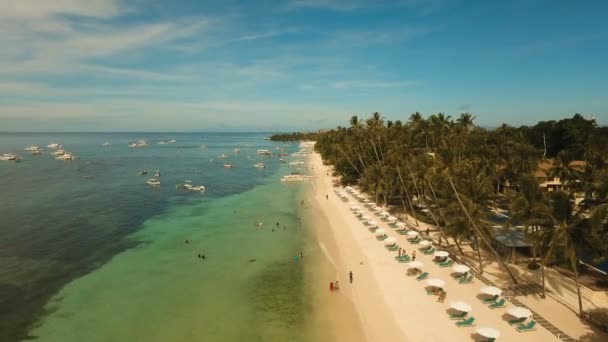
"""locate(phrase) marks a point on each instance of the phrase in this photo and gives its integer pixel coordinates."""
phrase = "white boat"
(58, 152)
(237, 150)
(32, 148)
(191, 187)
(9, 156)
(140, 143)
(37, 152)
(153, 182)
(171, 141)
(162, 143)
(107, 143)
(66, 156)
(223, 156)
(259, 165)
(264, 152)
(157, 174)
(53, 145)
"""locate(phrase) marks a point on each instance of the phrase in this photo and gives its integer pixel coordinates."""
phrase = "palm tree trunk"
(573, 261)
(458, 246)
(408, 196)
(478, 248)
(542, 275)
(351, 163)
(488, 245)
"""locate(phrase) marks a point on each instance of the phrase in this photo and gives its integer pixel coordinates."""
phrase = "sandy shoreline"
(389, 304)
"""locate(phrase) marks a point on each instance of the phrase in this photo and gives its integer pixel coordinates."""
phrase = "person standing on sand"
(326, 197)
(399, 251)
(427, 231)
(414, 256)
(350, 276)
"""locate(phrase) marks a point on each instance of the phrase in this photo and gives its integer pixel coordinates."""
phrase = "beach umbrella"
(380, 231)
(441, 254)
(366, 218)
(435, 282)
(390, 241)
(415, 264)
(372, 223)
(519, 312)
(376, 208)
(354, 207)
(385, 213)
(400, 225)
(461, 268)
(488, 332)
(392, 218)
(491, 290)
(412, 233)
(461, 306)
(425, 243)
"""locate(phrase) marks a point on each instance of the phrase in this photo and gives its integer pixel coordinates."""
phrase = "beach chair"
(414, 241)
(526, 327)
(404, 258)
(459, 316)
(393, 247)
(423, 276)
(446, 263)
(466, 280)
(402, 231)
(516, 321)
(499, 304)
(381, 237)
(429, 251)
(466, 323)
(490, 300)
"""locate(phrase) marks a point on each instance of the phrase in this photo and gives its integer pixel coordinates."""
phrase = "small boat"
(188, 186)
(162, 143)
(171, 141)
(140, 143)
(157, 174)
(9, 157)
(66, 156)
(153, 182)
(106, 144)
(53, 145)
(143, 172)
(227, 166)
(58, 152)
(282, 160)
(35, 153)
(259, 165)
(223, 156)
(32, 148)
(284, 154)
(237, 150)
(264, 152)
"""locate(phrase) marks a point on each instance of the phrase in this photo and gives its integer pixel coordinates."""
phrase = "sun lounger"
(402, 231)
(393, 247)
(422, 276)
(490, 300)
(526, 327)
(459, 316)
(414, 241)
(446, 263)
(466, 323)
(516, 321)
(499, 304)
(405, 259)
(429, 251)
(466, 280)
(381, 237)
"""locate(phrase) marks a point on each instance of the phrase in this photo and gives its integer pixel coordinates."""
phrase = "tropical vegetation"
(454, 174)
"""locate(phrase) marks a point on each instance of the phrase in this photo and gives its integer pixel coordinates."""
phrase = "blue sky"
(120, 65)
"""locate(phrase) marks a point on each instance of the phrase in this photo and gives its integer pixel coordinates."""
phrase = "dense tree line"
(295, 136)
(455, 172)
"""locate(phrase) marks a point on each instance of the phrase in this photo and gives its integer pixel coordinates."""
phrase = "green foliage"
(295, 136)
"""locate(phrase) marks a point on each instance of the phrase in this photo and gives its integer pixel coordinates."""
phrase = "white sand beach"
(391, 305)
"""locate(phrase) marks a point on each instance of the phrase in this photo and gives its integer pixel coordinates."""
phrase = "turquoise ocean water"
(89, 252)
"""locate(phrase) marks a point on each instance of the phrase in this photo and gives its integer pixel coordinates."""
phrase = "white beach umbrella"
(461, 268)
(380, 231)
(519, 312)
(366, 218)
(461, 306)
(372, 223)
(488, 332)
(415, 264)
(425, 243)
(390, 241)
(435, 282)
(400, 225)
(354, 207)
(392, 218)
(412, 233)
(385, 214)
(441, 254)
(491, 290)
(377, 208)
